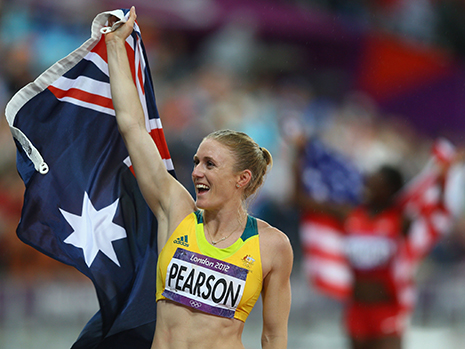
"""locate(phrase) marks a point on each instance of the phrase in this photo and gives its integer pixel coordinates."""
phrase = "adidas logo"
(182, 240)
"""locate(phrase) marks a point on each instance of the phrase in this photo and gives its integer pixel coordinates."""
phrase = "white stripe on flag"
(140, 84)
(143, 63)
(168, 163)
(334, 273)
(420, 236)
(92, 106)
(130, 41)
(155, 124)
(98, 61)
(85, 84)
(322, 237)
(136, 27)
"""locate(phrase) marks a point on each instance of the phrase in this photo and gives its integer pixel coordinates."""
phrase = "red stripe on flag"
(159, 138)
(326, 264)
(132, 170)
(132, 62)
(413, 193)
(141, 82)
(140, 77)
(82, 96)
(322, 219)
(101, 49)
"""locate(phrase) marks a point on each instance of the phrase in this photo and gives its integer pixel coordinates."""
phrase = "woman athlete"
(215, 260)
(373, 233)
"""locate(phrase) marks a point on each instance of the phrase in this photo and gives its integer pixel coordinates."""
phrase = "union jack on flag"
(82, 205)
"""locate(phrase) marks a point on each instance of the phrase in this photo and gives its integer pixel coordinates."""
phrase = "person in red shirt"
(373, 317)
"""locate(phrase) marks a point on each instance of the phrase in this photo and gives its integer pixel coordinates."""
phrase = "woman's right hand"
(123, 31)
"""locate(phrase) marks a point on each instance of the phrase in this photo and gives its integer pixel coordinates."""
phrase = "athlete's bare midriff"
(372, 291)
(179, 327)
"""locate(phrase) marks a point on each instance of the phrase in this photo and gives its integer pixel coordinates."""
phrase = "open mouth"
(202, 188)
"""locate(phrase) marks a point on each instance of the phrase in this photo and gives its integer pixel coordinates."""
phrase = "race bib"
(204, 283)
(369, 252)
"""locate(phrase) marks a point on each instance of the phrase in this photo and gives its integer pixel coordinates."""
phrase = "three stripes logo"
(182, 240)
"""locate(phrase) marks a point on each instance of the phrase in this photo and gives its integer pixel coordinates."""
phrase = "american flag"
(331, 177)
(322, 239)
(82, 205)
(423, 200)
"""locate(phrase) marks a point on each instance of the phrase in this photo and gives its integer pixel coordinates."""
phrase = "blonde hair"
(248, 154)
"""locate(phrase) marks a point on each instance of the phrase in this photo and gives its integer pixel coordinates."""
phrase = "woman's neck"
(222, 225)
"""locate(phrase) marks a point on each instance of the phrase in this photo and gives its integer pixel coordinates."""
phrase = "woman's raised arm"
(166, 197)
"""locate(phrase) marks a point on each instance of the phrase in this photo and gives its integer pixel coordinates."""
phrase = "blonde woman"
(215, 259)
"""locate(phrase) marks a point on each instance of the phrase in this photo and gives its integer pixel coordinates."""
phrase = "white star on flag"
(94, 230)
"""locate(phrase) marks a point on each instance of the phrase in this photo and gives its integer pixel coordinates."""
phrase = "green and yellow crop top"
(225, 282)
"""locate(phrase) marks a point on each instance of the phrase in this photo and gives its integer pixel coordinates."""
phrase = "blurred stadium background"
(378, 80)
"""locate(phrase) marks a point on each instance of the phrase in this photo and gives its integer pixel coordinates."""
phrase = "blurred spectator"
(451, 28)
(358, 253)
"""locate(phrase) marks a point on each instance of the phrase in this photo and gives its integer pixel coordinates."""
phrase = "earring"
(237, 185)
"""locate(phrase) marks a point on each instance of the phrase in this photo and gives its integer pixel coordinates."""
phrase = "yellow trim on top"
(208, 249)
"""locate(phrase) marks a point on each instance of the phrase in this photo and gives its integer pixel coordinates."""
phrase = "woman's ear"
(244, 178)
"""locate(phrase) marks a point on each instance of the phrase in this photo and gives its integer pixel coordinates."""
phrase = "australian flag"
(82, 205)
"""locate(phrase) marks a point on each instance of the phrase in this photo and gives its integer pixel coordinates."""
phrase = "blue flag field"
(82, 205)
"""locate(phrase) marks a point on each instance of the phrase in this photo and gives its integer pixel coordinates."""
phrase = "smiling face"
(213, 175)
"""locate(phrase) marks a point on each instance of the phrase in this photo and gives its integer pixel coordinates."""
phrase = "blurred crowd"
(437, 22)
(230, 76)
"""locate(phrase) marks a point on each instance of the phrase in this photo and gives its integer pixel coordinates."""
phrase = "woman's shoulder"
(275, 249)
(271, 237)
